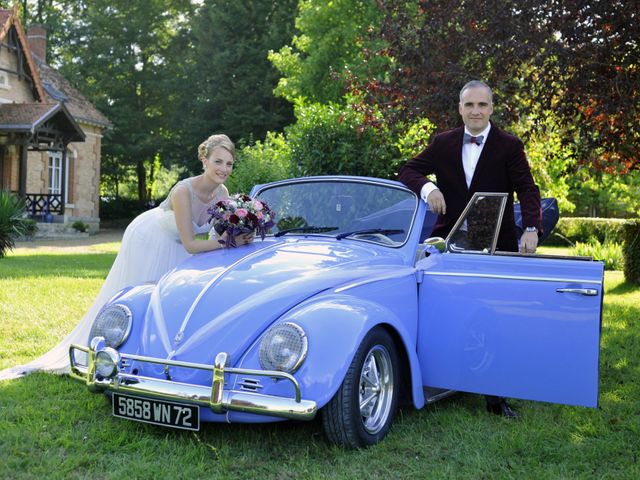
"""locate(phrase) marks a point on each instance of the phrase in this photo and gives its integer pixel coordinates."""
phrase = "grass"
(53, 427)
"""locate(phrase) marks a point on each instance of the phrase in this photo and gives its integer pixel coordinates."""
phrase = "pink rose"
(241, 212)
(258, 205)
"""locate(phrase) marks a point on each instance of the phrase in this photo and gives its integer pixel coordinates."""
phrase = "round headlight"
(114, 324)
(283, 348)
(107, 363)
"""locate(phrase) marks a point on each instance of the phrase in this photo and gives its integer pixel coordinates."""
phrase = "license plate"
(158, 412)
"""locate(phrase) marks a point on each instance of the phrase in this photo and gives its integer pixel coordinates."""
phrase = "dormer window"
(4, 81)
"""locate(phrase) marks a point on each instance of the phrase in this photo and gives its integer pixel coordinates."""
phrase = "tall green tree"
(118, 54)
(232, 79)
(58, 16)
(331, 37)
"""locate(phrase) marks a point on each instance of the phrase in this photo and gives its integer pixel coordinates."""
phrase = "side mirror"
(435, 245)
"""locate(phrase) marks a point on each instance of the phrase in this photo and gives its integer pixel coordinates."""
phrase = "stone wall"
(86, 173)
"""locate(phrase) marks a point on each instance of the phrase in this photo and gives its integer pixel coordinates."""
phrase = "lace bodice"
(199, 215)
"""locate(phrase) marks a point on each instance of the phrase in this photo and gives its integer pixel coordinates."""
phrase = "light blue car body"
(511, 325)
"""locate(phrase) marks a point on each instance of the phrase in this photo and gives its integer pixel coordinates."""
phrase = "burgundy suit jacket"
(502, 167)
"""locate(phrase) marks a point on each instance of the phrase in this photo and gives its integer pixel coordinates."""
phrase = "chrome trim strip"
(403, 273)
(510, 277)
(215, 280)
(496, 232)
(440, 396)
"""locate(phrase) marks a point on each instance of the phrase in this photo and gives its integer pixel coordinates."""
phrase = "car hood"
(223, 300)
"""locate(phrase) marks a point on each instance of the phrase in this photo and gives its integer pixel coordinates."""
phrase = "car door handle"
(589, 292)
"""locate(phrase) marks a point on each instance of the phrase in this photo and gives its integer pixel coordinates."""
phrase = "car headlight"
(283, 348)
(114, 324)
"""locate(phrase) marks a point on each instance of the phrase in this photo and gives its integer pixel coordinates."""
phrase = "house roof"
(59, 89)
(30, 117)
(49, 85)
(10, 19)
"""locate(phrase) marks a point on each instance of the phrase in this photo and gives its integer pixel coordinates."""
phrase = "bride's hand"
(245, 238)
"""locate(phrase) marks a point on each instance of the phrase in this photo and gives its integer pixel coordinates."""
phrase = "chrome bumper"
(215, 397)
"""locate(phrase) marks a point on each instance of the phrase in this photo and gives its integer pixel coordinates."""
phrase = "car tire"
(374, 376)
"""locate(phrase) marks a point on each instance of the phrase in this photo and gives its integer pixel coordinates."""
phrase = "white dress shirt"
(470, 155)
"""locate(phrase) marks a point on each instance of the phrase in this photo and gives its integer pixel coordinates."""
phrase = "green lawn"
(52, 427)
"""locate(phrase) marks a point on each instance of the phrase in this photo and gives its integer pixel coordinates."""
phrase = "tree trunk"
(142, 182)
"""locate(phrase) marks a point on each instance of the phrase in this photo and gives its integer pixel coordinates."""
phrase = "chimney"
(37, 38)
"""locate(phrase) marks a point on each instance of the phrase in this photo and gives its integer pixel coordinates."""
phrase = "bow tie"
(477, 140)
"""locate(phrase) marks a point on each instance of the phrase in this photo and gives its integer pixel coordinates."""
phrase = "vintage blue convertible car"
(345, 309)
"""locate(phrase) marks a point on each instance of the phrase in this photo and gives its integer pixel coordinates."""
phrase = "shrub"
(119, 208)
(260, 163)
(609, 252)
(570, 230)
(632, 251)
(334, 140)
(80, 226)
(13, 223)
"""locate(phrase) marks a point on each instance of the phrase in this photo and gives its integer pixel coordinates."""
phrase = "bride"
(154, 243)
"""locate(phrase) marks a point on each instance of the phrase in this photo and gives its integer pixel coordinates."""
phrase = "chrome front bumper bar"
(215, 397)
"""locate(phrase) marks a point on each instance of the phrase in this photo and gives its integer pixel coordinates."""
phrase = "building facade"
(50, 135)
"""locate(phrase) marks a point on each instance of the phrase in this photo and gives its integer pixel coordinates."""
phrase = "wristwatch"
(531, 229)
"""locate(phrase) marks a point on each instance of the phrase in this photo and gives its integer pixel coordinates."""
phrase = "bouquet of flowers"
(240, 214)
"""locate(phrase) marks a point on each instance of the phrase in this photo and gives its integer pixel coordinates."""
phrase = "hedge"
(632, 251)
(570, 230)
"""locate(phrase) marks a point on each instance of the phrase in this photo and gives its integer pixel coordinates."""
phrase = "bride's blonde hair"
(213, 142)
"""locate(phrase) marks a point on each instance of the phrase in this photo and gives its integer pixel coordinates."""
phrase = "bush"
(263, 162)
(119, 208)
(632, 251)
(13, 223)
(609, 252)
(334, 140)
(570, 230)
(80, 226)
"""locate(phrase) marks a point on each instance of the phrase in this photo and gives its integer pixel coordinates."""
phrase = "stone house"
(50, 134)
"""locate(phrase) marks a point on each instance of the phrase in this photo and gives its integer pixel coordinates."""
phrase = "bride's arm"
(181, 205)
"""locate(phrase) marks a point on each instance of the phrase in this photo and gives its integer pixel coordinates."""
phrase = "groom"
(478, 157)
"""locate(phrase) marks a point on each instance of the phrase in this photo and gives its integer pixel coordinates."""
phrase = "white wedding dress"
(150, 248)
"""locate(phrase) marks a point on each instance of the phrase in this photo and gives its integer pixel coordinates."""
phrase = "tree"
(233, 82)
(332, 37)
(118, 54)
(577, 60)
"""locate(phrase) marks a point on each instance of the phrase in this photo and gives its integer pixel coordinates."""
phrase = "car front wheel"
(362, 410)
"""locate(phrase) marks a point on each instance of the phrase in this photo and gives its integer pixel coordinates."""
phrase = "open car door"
(522, 326)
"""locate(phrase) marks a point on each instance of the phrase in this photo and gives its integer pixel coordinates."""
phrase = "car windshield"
(349, 209)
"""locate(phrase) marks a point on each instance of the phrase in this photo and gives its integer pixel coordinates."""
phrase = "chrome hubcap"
(376, 389)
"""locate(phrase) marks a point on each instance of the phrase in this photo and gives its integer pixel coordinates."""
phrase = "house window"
(56, 170)
(57, 176)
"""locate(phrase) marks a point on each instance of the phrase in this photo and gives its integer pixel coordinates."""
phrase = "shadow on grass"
(86, 265)
(624, 287)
